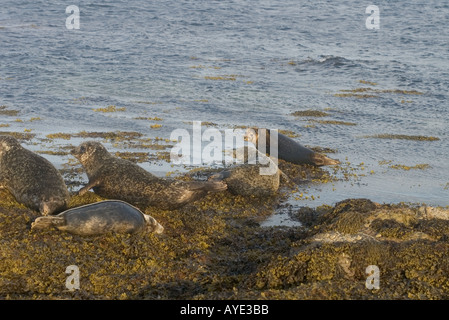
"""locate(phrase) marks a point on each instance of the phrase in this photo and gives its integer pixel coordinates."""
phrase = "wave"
(329, 61)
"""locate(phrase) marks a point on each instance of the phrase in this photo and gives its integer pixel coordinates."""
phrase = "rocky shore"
(216, 248)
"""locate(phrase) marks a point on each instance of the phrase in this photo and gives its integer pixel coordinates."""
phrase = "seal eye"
(82, 149)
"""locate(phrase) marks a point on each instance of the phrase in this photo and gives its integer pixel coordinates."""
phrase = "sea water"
(244, 63)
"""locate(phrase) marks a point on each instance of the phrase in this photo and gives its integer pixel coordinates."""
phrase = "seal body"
(290, 150)
(31, 179)
(252, 177)
(116, 178)
(99, 218)
(246, 180)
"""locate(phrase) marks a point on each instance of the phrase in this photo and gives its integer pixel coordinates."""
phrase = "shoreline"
(221, 246)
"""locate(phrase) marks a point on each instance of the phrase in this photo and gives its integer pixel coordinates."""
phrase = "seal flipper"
(89, 186)
(319, 159)
(153, 225)
(287, 179)
(47, 222)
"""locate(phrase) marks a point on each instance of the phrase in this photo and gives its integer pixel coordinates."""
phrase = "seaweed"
(343, 123)
(310, 113)
(18, 135)
(5, 112)
(403, 137)
(110, 109)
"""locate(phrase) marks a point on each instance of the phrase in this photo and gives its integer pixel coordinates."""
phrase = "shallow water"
(246, 64)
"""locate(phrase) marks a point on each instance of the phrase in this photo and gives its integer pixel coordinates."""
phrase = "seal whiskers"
(52, 205)
(46, 222)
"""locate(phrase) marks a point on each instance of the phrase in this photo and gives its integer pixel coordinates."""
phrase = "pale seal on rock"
(99, 218)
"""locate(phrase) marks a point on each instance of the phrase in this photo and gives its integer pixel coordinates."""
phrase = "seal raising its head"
(246, 180)
(31, 179)
(99, 218)
(116, 178)
(290, 150)
(249, 179)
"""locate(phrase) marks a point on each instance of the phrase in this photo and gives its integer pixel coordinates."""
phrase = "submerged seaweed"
(403, 137)
(18, 135)
(310, 113)
(4, 111)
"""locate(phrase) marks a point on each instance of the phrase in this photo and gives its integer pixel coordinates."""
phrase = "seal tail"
(47, 222)
(153, 225)
(319, 159)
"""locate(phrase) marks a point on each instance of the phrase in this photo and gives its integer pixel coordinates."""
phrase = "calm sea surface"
(243, 63)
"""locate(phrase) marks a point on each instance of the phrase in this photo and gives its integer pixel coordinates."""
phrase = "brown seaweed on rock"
(215, 248)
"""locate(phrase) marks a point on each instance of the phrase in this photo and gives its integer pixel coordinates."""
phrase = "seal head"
(288, 149)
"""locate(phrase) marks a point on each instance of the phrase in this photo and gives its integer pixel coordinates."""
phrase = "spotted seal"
(248, 179)
(31, 179)
(99, 218)
(290, 150)
(115, 178)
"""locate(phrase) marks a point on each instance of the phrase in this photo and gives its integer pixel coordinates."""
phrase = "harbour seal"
(30, 178)
(99, 218)
(290, 150)
(246, 179)
(115, 178)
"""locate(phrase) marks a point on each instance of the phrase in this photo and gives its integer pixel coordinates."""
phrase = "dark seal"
(99, 218)
(30, 178)
(114, 178)
(290, 150)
